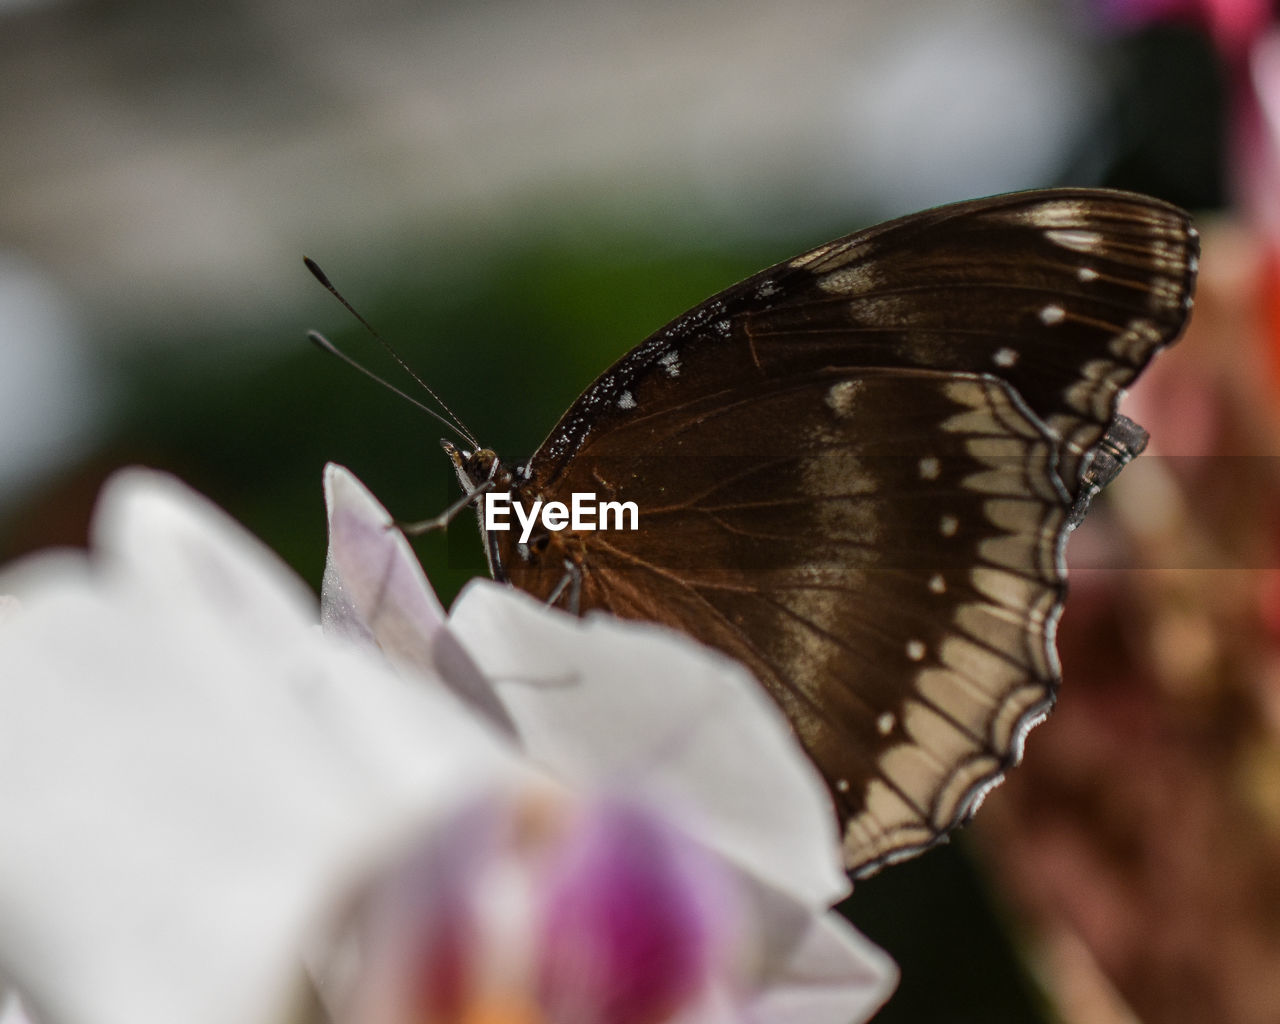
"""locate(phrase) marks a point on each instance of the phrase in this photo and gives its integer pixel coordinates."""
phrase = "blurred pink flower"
(1246, 36)
(1232, 24)
(1139, 836)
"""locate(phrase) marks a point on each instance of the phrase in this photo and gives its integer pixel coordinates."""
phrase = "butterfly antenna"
(325, 345)
(456, 425)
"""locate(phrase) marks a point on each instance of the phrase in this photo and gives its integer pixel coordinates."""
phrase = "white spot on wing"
(1074, 239)
(841, 396)
(812, 257)
(765, 289)
(915, 650)
(1053, 314)
(1136, 341)
(1166, 293)
(626, 400)
(1005, 357)
(1058, 213)
(670, 361)
(1087, 274)
(937, 585)
(884, 725)
(948, 525)
(853, 279)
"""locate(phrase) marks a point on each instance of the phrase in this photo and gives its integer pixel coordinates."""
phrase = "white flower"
(11, 1011)
(197, 787)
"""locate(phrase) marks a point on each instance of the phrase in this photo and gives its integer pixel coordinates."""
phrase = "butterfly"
(856, 472)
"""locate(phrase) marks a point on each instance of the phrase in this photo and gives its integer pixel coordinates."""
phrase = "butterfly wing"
(887, 561)
(854, 472)
(1064, 293)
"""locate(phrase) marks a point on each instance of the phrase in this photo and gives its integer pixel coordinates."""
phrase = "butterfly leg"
(446, 517)
(571, 581)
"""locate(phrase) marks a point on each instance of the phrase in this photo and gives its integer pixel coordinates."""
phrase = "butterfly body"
(854, 473)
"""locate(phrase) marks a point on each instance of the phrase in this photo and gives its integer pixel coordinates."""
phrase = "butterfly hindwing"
(886, 561)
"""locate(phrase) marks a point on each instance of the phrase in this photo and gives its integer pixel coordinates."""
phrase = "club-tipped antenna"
(325, 345)
(453, 422)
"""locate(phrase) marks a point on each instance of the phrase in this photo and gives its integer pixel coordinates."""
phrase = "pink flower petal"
(635, 921)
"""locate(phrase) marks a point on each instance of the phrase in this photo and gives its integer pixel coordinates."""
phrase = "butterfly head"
(482, 472)
(479, 469)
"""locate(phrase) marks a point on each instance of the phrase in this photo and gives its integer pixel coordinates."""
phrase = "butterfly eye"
(539, 543)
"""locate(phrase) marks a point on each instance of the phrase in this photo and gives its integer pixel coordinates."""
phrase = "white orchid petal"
(811, 967)
(338, 614)
(378, 569)
(720, 1004)
(187, 769)
(11, 1011)
(833, 974)
(168, 539)
(375, 586)
(600, 701)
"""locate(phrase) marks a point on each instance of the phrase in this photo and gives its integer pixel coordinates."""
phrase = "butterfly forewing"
(1065, 293)
(854, 471)
(1066, 298)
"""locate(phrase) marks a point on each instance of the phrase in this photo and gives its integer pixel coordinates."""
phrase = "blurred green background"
(513, 194)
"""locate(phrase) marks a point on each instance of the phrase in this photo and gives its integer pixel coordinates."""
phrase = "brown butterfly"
(855, 473)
